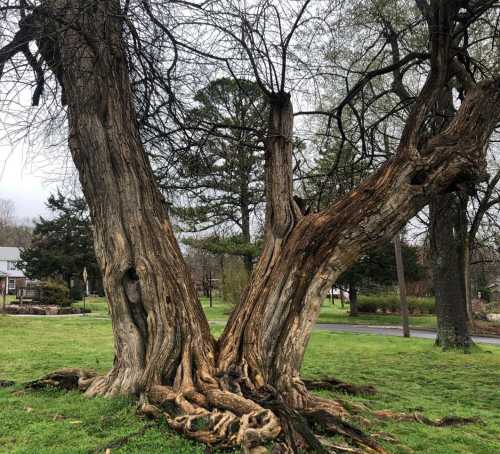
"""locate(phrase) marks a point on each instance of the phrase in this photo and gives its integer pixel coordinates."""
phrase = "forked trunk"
(268, 332)
(448, 233)
(164, 349)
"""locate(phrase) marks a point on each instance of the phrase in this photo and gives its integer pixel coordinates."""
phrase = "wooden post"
(4, 296)
(210, 286)
(402, 286)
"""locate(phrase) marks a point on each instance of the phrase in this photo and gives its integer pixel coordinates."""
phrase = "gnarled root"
(419, 417)
(69, 378)
(305, 416)
(221, 419)
(252, 419)
(336, 385)
(224, 416)
(323, 415)
(292, 419)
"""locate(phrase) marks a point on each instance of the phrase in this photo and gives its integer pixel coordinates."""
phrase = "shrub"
(54, 292)
(235, 280)
(485, 294)
(389, 304)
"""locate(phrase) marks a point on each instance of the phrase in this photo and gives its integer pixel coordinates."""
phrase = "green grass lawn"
(408, 373)
(329, 314)
(336, 314)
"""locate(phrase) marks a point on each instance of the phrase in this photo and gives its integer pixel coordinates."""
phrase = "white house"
(9, 273)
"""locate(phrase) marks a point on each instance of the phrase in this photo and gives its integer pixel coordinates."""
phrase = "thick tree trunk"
(448, 232)
(267, 334)
(449, 255)
(164, 352)
(161, 334)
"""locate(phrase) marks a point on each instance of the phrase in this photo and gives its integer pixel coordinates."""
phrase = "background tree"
(62, 244)
(217, 179)
(378, 268)
(448, 222)
(12, 232)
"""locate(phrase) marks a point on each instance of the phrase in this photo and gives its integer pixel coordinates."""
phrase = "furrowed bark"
(282, 214)
(281, 309)
(271, 327)
(248, 389)
(164, 352)
(161, 334)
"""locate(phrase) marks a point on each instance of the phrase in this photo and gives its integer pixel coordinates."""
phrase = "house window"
(11, 266)
(12, 283)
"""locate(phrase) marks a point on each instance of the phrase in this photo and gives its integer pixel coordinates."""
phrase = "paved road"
(394, 331)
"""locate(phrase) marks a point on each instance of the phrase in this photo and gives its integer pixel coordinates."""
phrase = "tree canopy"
(62, 244)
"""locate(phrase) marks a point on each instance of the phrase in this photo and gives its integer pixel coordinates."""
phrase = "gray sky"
(25, 181)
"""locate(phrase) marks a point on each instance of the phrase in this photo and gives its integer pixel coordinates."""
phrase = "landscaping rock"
(17, 309)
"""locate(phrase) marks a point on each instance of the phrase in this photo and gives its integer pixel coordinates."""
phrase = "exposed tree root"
(301, 425)
(225, 419)
(69, 378)
(334, 384)
(222, 419)
(254, 419)
(322, 414)
(419, 417)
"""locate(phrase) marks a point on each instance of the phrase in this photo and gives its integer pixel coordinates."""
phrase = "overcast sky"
(26, 180)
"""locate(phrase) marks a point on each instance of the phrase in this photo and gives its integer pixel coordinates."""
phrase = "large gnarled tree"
(243, 388)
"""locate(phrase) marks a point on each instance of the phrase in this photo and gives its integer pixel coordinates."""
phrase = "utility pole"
(402, 286)
(85, 280)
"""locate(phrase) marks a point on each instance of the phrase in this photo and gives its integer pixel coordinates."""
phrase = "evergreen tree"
(61, 246)
(220, 173)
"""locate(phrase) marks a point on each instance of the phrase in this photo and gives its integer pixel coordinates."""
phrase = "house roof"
(9, 253)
